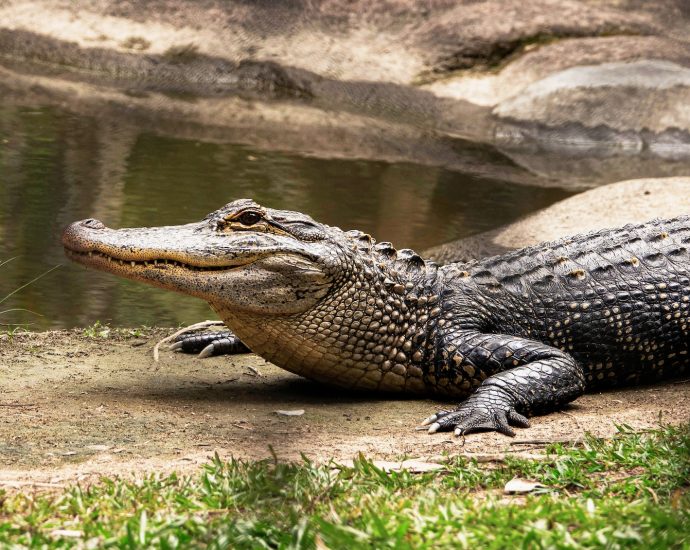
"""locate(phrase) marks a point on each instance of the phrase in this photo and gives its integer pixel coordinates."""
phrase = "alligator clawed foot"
(210, 344)
(184, 346)
(468, 418)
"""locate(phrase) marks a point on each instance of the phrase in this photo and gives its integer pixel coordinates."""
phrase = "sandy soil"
(74, 407)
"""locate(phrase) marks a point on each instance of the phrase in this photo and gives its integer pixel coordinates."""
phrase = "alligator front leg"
(523, 377)
(208, 344)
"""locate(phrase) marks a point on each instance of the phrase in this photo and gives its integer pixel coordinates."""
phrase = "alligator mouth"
(96, 258)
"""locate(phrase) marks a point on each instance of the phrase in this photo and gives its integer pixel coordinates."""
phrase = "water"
(57, 167)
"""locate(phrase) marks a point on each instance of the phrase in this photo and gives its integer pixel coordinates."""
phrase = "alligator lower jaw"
(106, 262)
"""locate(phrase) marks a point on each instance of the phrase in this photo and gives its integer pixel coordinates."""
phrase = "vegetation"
(12, 327)
(632, 491)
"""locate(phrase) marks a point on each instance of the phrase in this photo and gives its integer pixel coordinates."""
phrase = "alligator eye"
(249, 218)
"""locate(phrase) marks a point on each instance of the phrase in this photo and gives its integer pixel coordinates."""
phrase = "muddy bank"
(75, 405)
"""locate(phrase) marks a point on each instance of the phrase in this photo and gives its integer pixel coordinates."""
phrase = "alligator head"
(244, 256)
(311, 298)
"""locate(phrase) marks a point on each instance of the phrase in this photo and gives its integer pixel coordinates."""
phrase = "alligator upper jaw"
(136, 252)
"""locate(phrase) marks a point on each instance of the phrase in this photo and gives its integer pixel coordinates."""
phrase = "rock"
(292, 412)
(428, 68)
(632, 201)
(540, 60)
(388, 41)
(487, 34)
(624, 106)
(477, 246)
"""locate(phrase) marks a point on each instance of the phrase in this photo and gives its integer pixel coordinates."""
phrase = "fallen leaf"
(519, 486)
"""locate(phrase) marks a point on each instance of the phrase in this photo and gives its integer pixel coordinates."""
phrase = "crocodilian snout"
(74, 235)
(195, 245)
(183, 243)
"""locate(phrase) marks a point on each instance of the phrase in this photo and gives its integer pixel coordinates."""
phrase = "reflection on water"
(56, 167)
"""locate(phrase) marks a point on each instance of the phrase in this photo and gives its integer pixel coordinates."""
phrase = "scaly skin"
(513, 335)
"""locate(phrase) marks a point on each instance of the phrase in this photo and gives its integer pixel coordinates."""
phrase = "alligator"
(513, 335)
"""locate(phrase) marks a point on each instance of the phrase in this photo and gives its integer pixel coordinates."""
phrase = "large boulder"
(631, 201)
(544, 57)
(626, 106)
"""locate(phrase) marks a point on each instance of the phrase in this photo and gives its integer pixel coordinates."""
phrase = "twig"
(196, 326)
(17, 405)
(242, 427)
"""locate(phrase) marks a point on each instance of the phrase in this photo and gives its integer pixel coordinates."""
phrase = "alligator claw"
(206, 352)
(207, 344)
(434, 417)
(434, 428)
(429, 420)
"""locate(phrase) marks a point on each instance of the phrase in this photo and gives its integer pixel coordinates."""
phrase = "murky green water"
(57, 167)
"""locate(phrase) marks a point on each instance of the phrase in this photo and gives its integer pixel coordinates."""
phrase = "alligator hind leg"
(523, 377)
(208, 344)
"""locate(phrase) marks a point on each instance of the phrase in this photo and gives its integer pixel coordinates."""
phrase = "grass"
(97, 330)
(631, 491)
(100, 330)
(13, 326)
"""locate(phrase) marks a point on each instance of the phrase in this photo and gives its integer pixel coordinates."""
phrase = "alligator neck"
(372, 332)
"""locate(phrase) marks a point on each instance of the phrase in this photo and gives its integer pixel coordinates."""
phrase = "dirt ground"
(74, 407)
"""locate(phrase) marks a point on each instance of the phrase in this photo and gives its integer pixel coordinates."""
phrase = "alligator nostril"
(93, 224)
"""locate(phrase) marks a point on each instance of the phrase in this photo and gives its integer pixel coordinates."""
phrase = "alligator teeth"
(133, 263)
(90, 254)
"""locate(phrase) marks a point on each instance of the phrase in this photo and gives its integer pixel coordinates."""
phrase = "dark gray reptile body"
(516, 334)
(618, 301)
(543, 324)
